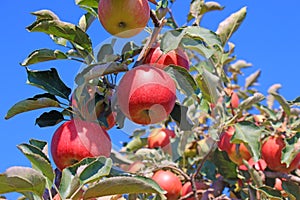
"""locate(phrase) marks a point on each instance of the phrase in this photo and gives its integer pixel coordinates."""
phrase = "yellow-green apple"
(187, 188)
(161, 60)
(236, 152)
(146, 94)
(76, 139)
(124, 18)
(169, 182)
(160, 137)
(271, 152)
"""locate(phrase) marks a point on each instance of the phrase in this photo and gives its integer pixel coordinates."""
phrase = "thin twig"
(288, 177)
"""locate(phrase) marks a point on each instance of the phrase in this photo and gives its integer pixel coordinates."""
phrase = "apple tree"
(202, 130)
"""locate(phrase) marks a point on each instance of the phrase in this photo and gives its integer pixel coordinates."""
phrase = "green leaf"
(250, 101)
(64, 30)
(105, 51)
(210, 85)
(22, 179)
(231, 24)
(42, 55)
(250, 135)
(136, 144)
(97, 70)
(45, 15)
(252, 79)
(291, 150)
(37, 102)
(88, 3)
(283, 102)
(39, 161)
(269, 193)
(42, 145)
(198, 8)
(292, 188)
(183, 79)
(123, 185)
(225, 167)
(49, 118)
(86, 21)
(49, 81)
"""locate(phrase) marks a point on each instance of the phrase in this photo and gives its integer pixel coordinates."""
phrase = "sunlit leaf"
(37, 102)
(250, 101)
(231, 24)
(291, 150)
(42, 55)
(136, 144)
(22, 179)
(49, 81)
(123, 185)
(252, 78)
(86, 21)
(283, 102)
(250, 135)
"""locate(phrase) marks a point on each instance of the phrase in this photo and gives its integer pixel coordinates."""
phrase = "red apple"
(76, 139)
(187, 188)
(161, 60)
(160, 137)
(278, 184)
(124, 18)
(234, 98)
(146, 95)
(236, 152)
(168, 182)
(260, 165)
(271, 152)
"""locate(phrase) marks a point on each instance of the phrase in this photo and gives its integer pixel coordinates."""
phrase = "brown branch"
(288, 177)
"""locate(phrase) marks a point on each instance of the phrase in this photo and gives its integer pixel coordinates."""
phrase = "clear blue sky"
(268, 38)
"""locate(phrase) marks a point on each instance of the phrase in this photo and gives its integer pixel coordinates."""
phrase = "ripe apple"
(271, 152)
(124, 18)
(260, 165)
(234, 98)
(236, 152)
(160, 137)
(175, 57)
(187, 188)
(76, 139)
(168, 182)
(146, 95)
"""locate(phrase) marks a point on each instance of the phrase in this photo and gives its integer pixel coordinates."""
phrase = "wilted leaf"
(250, 80)
(49, 118)
(42, 55)
(250, 135)
(49, 81)
(291, 150)
(282, 101)
(123, 185)
(22, 179)
(39, 161)
(231, 24)
(37, 102)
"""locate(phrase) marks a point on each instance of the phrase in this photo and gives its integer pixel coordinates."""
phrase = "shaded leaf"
(42, 55)
(250, 80)
(49, 81)
(270, 193)
(249, 134)
(231, 24)
(37, 102)
(105, 51)
(292, 188)
(225, 167)
(85, 21)
(49, 118)
(22, 179)
(123, 185)
(179, 115)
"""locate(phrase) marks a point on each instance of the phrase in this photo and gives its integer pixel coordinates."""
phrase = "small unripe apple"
(187, 188)
(168, 182)
(146, 95)
(271, 152)
(161, 60)
(160, 137)
(76, 139)
(124, 18)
